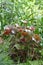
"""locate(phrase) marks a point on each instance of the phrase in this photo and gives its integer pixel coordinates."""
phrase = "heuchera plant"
(24, 42)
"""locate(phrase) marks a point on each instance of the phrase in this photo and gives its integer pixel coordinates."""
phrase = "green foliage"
(13, 11)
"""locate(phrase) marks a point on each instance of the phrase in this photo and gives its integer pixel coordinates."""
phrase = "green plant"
(24, 42)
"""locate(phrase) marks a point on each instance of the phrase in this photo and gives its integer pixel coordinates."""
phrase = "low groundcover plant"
(24, 44)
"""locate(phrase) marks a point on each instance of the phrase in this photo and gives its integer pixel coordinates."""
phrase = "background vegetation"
(13, 11)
